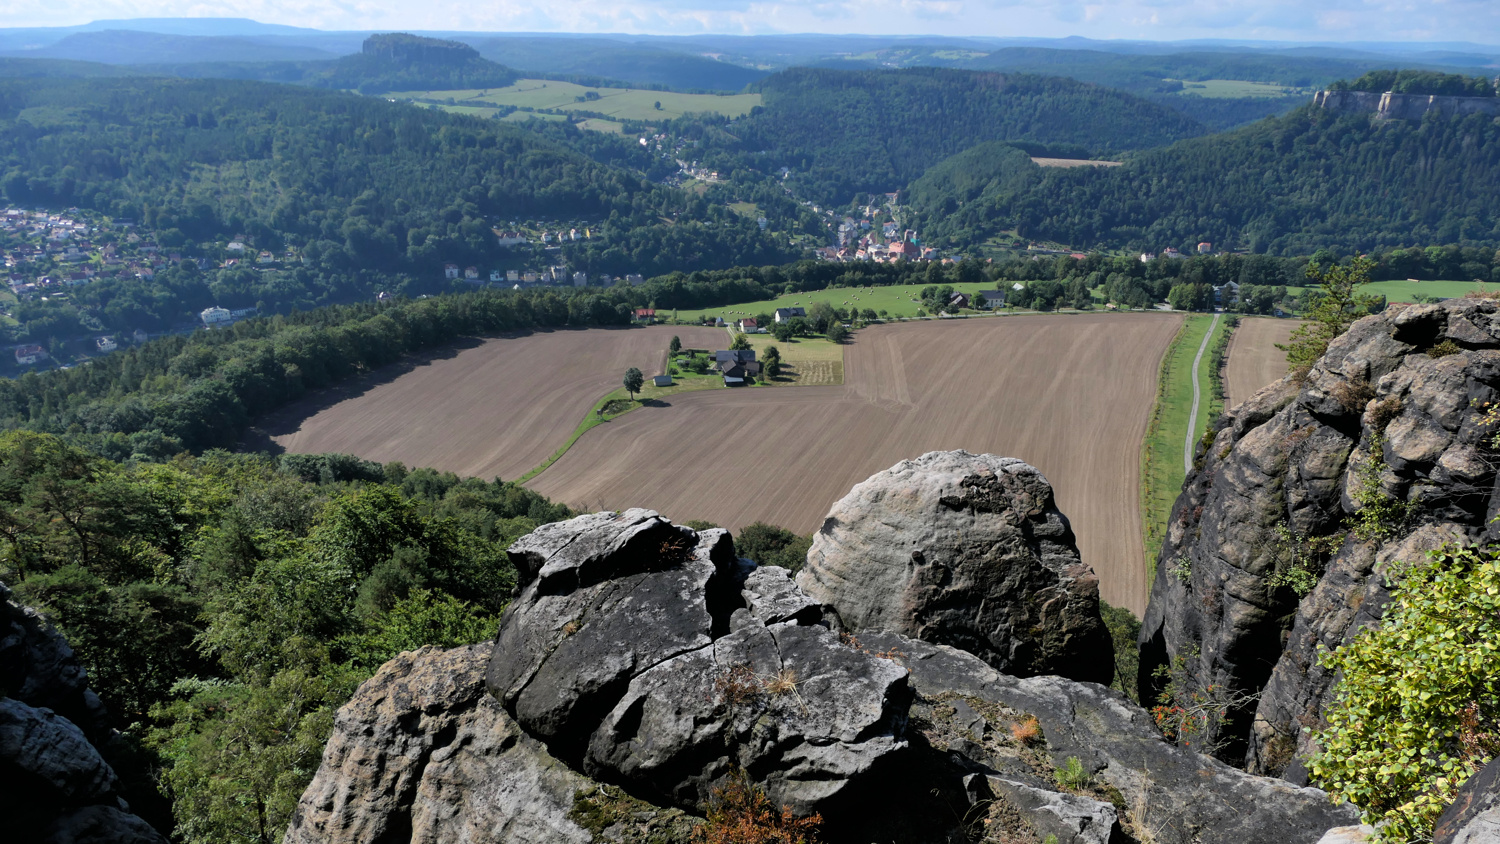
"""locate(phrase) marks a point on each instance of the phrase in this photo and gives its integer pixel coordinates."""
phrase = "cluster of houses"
(509, 238)
(1204, 248)
(51, 251)
(549, 277)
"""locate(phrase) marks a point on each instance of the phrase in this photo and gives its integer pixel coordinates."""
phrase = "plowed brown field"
(1253, 360)
(1068, 394)
(497, 409)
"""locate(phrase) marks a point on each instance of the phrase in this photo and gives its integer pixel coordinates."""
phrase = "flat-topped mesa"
(967, 550)
(1393, 106)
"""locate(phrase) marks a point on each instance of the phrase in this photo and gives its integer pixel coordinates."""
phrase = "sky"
(1157, 20)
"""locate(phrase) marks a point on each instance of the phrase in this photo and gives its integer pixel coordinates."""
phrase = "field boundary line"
(1187, 446)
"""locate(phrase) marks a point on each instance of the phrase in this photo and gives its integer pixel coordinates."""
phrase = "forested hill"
(358, 183)
(1287, 185)
(846, 132)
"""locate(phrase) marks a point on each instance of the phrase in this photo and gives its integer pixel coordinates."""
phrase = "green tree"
(675, 346)
(1335, 307)
(1416, 710)
(633, 381)
(771, 362)
(782, 331)
(741, 342)
(837, 333)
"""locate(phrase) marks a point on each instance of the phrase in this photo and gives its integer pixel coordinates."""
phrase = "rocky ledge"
(643, 664)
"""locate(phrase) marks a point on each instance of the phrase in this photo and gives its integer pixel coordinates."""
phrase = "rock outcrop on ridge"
(967, 550)
(1275, 496)
(56, 786)
(642, 664)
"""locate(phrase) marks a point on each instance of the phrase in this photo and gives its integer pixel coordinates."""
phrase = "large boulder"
(636, 653)
(1394, 407)
(1156, 791)
(423, 754)
(967, 550)
(1474, 815)
(58, 786)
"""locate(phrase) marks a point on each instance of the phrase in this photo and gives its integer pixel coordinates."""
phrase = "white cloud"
(1372, 20)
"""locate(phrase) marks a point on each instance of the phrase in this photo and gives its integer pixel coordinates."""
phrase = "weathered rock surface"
(626, 655)
(1172, 793)
(696, 663)
(967, 550)
(1474, 815)
(1283, 474)
(56, 787)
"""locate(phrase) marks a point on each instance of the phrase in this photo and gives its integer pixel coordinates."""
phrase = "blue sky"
(1163, 20)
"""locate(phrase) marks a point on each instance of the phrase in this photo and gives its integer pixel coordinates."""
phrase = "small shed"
(730, 381)
(662, 380)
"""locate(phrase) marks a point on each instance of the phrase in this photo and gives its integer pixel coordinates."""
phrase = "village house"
(748, 325)
(785, 314)
(215, 315)
(106, 344)
(645, 314)
(1205, 248)
(451, 271)
(28, 355)
(496, 275)
(580, 279)
(471, 273)
(992, 299)
(736, 366)
(958, 301)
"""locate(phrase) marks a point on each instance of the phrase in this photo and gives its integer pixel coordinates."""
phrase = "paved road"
(1192, 430)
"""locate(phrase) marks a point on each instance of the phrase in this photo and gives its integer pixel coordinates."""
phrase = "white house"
(451, 271)
(106, 344)
(215, 315)
(27, 355)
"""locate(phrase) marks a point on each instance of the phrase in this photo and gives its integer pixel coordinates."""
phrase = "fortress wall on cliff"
(1392, 106)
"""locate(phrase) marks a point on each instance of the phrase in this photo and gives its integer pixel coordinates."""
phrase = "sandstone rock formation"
(1393, 106)
(55, 784)
(1474, 816)
(641, 660)
(1277, 491)
(624, 653)
(966, 550)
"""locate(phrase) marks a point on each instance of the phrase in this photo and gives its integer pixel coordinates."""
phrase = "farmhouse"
(27, 355)
(736, 366)
(645, 314)
(784, 314)
(992, 298)
(959, 300)
(214, 315)
(748, 325)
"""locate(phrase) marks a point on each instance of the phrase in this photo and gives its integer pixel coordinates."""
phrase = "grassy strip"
(1161, 451)
(593, 419)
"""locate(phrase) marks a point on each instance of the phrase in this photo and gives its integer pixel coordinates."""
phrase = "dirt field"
(497, 409)
(1253, 360)
(1069, 394)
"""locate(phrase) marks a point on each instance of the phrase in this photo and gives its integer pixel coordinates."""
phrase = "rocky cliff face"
(1385, 435)
(642, 665)
(55, 783)
(1392, 106)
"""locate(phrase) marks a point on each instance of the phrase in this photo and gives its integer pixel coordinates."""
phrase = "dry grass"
(1027, 731)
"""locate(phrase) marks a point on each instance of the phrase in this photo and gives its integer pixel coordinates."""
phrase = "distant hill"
(1287, 185)
(59, 69)
(847, 132)
(401, 62)
(132, 47)
(629, 63)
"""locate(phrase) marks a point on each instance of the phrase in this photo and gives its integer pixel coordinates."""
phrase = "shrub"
(1417, 709)
(1072, 775)
(741, 813)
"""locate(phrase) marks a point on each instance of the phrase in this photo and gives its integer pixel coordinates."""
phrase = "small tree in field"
(782, 331)
(1337, 306)
(633, 381)
(675, 346)
(837, 332)
(772, 362)
(741, 342)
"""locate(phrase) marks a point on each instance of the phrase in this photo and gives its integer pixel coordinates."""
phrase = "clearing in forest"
(1069, 394)
(497, 409)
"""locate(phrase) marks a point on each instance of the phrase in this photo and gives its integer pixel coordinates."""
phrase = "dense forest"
(848, 132)
(1420, 82)
(375, 195)
(226, 605)
(1287, 185)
